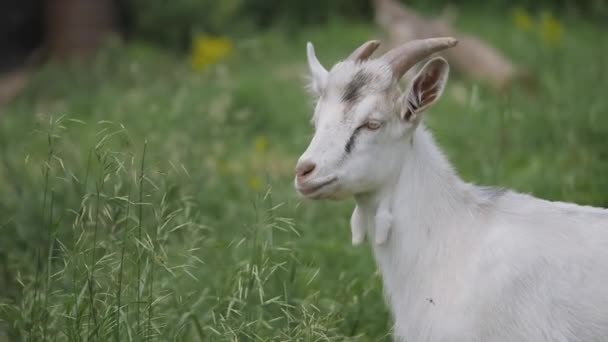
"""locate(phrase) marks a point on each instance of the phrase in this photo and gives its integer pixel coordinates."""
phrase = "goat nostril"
(309, 170)
(305, 169)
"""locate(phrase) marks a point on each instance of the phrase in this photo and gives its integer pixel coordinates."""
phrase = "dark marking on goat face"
(350, 143)
(352, 91)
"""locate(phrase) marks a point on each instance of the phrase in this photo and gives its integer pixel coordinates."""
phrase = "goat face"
(360, 119)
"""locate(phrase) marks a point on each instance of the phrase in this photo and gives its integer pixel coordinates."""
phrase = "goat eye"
(373, 125)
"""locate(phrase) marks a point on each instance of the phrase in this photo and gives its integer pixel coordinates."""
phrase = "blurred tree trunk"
(20, 31)
(20, 35)
(77, 28)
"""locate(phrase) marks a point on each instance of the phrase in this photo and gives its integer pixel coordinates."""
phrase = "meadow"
(143, 200)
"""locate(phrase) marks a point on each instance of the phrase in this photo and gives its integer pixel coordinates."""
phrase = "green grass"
(143, 201)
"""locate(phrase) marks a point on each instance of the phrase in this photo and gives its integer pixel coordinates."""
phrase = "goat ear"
(426, 88)
(318, 73)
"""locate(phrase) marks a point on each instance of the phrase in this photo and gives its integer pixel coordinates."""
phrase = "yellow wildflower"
(522, 19)
(550, 29)
(254, 183)
(260, 144)
(209, 50)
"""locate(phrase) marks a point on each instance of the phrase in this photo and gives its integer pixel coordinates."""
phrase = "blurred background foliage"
(174, 22)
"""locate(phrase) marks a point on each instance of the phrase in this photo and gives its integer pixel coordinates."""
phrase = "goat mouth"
(312, 191)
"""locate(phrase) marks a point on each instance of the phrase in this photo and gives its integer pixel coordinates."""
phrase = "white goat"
(461, 262)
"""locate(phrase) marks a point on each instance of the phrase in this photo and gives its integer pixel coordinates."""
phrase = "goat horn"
(402, 58)
(363, 52)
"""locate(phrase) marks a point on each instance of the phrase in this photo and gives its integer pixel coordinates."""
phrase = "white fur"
(382, 220)
(358, 224)
(462, 263)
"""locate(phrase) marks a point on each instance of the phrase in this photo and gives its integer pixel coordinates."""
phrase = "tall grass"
(113, 268)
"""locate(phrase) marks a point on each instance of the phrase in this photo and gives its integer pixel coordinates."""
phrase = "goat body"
(466, 263)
